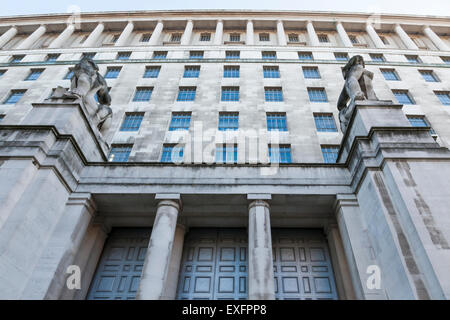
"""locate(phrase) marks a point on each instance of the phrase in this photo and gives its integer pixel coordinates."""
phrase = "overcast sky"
(422, 7)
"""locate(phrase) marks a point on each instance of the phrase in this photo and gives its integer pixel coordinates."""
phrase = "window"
(305, 56)
(444, 97)
(293, 37)
(390, 74)
(353, 39)
(17, 58)
(232, 54)
(271, 72)
(176, 37)
(112, 72)
(14, 96)
(226, 154)
(264, 37)
(132, 121)
(142, 94)
(186, 94)
(231, 71)
(403, 96)
(413, 59)
(180, 121)
(146, 37)
(123, 55)
(325, 122)
(230, 94)
(228, 121)
(446, 60)
(323, 38)
(280, 154)
(317, 95)
(276, 122)
(205, 37)
(2, 72)
(269, 55)
(195, 54)
(115, 38)
(68, 75)
(172, 153)
(159, 54)
(311, 72)
(52, 57)
(1, 117)
(384, 40)
(377, 57)
(429, 76)
(34, 74)
(120, 152)
(89, 55)
(330, 153)
(420, 121)
(341, 56)
(152, 72)
(235, 37)
(273, 94)
(191, 71)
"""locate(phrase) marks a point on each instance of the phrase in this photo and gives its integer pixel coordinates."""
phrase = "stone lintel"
(259, 196)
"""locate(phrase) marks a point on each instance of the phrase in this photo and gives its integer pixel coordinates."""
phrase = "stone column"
(218, 37)
(186, 38)
(435, 39)
(32, 38)
(343, 35)
(170, 291)
(93, 37)
(260, 271)
(374, 36)
(405, 38)
(249, 35)
(156, 266)
(156, 34)
(63, 37)
(125, 35)
(8, 35)
(313, 39)
(280, 34)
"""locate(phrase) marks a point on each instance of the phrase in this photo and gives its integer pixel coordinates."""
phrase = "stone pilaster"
(186, 38)
(63, 37)
(280, 34)
(94, 35)
(156, 34)
(218, 37)
(249, 36)
(8, 35)
(313, 39)
(32, 38)
(441, 45)
(374, 36)
(343, 35)
(125, 35)
(405, 38)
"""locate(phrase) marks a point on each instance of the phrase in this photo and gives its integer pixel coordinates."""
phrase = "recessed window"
(89, 55)
(120, 152)
(132, 121)
(1, 117)
(325, 122)
(317, 95)
(230, 94)
(413, 58)
(159, 54)
(143, 94)
(34, 74)
(280, 153)
(228, 121)
(341, 56)
(172, 153)
(205, 37)
(235, 37)
(186, 94)
(446, 60)
(271, 72)
(323, 38)
(146, 37)
(264, 37)
(191, 71)
(68, 75)
(152, 72)
(2, 72)
(429, 75)
(231, 71)
(226, 153)
(305, 56)
(196, 55)
(176, 37)
(403, 96)
(14, 96)
(115, 38)
(419, 121)
(330, 153)
(112, 72)
(390, 74)
(353, 39)
(377, 57)
(293, 37)
(276, 121)
(17, 58)
(52, 57)
(232, 54)
(269, 55)
(444, 97)
(180, 121)
(273, 94)
(311, 72)
(384, 40)
(123, 55)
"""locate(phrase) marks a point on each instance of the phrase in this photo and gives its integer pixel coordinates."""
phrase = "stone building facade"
(224, 173)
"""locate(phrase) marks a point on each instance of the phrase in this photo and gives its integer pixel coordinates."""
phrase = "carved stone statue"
(358, 86)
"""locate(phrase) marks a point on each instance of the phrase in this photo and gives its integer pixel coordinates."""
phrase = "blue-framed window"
(152, 72)
(444, 97)
(390, 74)
(353, 39)
(195, 54)
(311, 72)
(143, 94)
(377, 57)
(112, 72)
(325, 122)
(123, 55)
(160, 55)
(323, 38)
(172, 153)
(446, 60)
(231, 71)
(2, 72)
(1, 117)
(34, 74)
(384, 40)
(264, 37)
(429, 76)
(269, 55)
(232, 54)
(420, 121)
(341, 56)
(68, 75)
(90, 55)
(132, 121)
(403, 96)
(413, 58)
(146, 37)
(14, 96)
(276, 121)
(186, 94)
(293, 37)
(271, 72)
(180, 121)
(317, 95)
(226, 154)
(230, 94)
(228, 121)
(330, 153)
(17, 58)
(52, 57)
(235, 37)
(273, 94)
(191, 71)
(175, 37)
(120, 152)
(115, 38)
(280, 154)
(305, 55)
(205, 37)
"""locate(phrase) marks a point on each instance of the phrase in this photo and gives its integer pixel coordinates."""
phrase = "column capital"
(345, 200)
(249, 21)
(83, 199)
(279, 21)
(169, 199)
(426, 27)
(259, 203)
(220, 20)
(159, 21)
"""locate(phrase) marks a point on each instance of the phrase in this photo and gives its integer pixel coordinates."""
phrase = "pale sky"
(421, 7)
